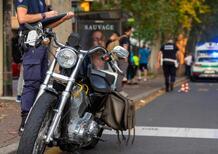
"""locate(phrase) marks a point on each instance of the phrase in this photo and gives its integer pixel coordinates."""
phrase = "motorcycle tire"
(34, 125)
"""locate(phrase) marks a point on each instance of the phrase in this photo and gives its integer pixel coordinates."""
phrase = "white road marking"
(173, 132)
(203, 89)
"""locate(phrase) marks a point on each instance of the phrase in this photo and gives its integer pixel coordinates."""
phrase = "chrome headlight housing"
(66, 57)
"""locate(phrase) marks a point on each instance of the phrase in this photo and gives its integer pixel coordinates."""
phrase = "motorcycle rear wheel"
(36, 127)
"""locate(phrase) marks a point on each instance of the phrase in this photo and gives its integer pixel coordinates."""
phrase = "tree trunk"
(154, 54)
(7, 72)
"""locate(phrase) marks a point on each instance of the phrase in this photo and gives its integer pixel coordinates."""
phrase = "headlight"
(66, 58)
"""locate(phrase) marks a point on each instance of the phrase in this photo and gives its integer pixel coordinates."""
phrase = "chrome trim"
(57, 116)
(60, 77)
(74, 73)
(46, 81)
(65, 96)
(93, 50)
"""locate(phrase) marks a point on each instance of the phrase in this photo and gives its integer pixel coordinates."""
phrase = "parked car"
(205, 67)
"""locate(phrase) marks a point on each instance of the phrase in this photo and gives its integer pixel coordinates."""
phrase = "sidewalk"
(10, 111)
(9, 122)
(146, 88)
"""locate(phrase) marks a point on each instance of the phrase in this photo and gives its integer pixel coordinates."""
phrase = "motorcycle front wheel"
(33, 138)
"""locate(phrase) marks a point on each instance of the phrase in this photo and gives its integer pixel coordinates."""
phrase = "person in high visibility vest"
(168, 59)
(136, 64)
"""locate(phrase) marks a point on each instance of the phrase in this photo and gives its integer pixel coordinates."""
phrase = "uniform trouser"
(122, 64)
(35, 65)
(169, 74)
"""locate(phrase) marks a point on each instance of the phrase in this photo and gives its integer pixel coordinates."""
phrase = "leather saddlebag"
(119, 112)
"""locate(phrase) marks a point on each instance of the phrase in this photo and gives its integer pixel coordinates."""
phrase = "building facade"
(8, 29)
(1, 48)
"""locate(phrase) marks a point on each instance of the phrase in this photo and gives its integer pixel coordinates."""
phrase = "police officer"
(167, 57)
(35, 60)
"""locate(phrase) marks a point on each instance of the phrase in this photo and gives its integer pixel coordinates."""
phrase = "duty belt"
(171, 60)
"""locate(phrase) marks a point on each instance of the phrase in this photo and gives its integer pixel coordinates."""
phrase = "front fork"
(65, 94)
(64, 98)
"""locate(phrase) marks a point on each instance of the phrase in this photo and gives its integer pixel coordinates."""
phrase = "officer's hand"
(51, 14)
(68, 16)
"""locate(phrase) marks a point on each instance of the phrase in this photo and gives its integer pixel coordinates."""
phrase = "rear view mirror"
(120, 52)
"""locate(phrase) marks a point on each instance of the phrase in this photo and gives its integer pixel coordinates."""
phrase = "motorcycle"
(68, 107)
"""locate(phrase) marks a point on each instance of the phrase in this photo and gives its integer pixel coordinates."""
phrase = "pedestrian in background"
(188, 63)
(131, 71)
(35, 59)
(167, 58)
(113, 41)
(136, 65)
(123, 62)
(144, 54)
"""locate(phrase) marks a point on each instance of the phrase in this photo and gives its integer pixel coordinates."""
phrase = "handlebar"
(94, 50)
(39, 27)
(113, 65)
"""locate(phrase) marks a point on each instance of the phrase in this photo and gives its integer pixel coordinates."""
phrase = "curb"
(147, 94)
(8, 99)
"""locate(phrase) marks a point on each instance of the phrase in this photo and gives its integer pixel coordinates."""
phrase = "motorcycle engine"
(81, 127)
(82, 130)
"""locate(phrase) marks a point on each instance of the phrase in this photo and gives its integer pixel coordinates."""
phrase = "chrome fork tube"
(65, 96)
(47, 78)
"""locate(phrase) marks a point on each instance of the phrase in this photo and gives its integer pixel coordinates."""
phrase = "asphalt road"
(175, 123)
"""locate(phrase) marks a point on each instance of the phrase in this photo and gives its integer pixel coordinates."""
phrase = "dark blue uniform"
(35, 59)
(169, 51)
(32, 6)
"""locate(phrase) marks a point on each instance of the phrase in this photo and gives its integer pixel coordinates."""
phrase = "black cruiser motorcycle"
(67, 110)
